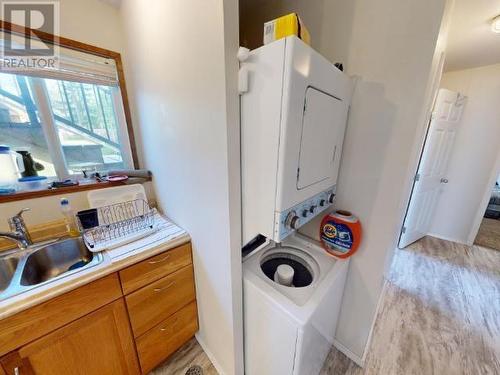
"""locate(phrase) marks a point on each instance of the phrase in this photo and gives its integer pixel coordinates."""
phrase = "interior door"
(322, 134)
(431, 175)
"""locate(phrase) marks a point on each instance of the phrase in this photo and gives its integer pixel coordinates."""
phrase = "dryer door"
(323, 127)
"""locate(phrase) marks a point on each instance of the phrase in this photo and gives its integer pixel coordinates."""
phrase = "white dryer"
(290, 329)
(293, 120)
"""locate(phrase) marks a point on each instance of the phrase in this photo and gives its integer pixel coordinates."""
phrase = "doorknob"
(444, 181)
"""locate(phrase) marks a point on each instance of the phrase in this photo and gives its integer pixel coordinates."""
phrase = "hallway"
(489, 234)
(440, 314)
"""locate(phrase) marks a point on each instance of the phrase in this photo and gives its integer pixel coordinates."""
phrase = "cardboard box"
(284, 26)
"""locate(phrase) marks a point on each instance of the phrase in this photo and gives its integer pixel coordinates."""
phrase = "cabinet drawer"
(165, 338)
(154, 303)
(152, 269)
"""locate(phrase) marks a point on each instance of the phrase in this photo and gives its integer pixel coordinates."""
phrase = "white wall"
(93, 22)
(182, 62)
(472, 169)
(391, 45)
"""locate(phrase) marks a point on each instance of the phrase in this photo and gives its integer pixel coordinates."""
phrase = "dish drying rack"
(119, 224)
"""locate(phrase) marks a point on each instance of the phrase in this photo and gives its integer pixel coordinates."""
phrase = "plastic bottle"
(340, 233)
(69, 218)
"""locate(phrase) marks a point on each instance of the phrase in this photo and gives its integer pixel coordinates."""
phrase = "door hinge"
(305, 106)
(417, 177)
(403, 230)
(298, 173)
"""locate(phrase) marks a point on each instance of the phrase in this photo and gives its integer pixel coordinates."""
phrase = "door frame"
(434, 80)
(420, 140)
(412, 190)
(484, 203)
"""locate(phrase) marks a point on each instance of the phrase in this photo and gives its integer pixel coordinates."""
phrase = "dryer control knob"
(305, 213)
(331, 197)
(294, 224)
(292, 220)
(313, 208)
(322, 203)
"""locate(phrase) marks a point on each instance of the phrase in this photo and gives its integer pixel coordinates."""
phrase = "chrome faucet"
(19, 233)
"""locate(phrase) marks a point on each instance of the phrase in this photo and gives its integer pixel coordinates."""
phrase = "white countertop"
(168, 237)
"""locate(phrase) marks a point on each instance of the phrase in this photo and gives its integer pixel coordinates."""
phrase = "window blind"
(71, 65)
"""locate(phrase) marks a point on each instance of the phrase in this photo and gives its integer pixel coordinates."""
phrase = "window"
(70, 119)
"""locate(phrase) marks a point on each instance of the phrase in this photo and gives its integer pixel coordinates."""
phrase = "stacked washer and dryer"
(293, 120)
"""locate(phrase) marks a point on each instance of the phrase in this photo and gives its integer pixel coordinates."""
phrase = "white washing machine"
(290, 329)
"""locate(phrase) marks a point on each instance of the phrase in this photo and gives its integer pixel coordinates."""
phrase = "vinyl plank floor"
(489, 234)
(440, 314)
(190, 354)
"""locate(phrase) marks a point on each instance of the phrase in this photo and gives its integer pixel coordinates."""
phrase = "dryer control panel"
(286, 222)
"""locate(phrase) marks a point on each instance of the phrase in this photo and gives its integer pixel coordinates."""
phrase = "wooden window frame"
(87, 48)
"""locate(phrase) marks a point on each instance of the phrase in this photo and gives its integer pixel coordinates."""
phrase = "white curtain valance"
(71, 65)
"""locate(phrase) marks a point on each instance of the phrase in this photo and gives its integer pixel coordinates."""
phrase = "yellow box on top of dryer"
(284, 26)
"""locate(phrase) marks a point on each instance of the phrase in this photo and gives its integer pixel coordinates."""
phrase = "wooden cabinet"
(37, 321)
(154, 268)
(98, 329)
(165, 338)
(154, 303)
(99, 343)
(162, 304)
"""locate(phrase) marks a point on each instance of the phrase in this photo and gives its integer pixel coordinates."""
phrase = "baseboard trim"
(209, 354)
(354, 357)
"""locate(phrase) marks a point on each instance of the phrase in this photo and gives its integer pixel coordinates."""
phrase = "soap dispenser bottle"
(69, 218)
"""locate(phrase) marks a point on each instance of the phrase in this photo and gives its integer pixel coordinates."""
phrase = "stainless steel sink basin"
(54, 260)
(40, 264)
(8, 268)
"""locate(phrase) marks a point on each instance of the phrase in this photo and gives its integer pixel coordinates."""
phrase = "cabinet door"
(99, 343)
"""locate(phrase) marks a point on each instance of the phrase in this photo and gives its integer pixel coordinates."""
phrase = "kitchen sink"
(54, 260)
(8, 268)
(40, 264)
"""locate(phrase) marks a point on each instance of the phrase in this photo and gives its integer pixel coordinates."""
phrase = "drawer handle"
(165, 287)
(160, 260)
(163, 329)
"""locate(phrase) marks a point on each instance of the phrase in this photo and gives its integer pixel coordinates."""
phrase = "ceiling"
(471, 42)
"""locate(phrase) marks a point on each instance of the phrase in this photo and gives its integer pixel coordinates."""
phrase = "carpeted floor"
(440, 314)
(489, 234)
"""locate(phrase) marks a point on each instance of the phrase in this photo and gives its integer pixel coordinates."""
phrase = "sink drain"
(194, 370)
